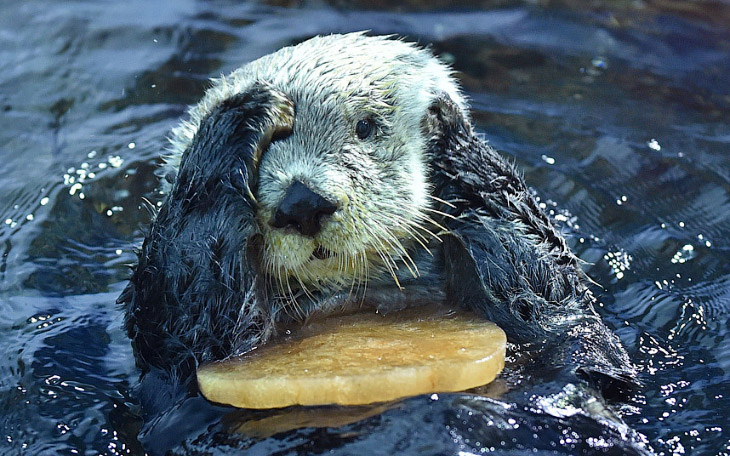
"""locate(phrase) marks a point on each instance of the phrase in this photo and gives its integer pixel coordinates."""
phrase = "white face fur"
(379, 183)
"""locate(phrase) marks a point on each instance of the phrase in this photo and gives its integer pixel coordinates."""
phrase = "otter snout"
(302, 209)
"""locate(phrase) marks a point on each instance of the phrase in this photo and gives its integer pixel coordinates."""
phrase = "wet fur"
(194, 296)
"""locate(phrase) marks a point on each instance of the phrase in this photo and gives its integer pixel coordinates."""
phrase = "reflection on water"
(617, 115)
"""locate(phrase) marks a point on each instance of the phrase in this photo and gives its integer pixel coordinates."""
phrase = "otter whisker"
(435, 211)
(443, 201)
(380, 248)
(417, 216)
(407, 223)
(366, 271)
(417, 237)
(288, 296)
(402, 251)
(387, 259)
(352, 283)
(384, 252)
(358, 274)
(306, 291)
(409, 226)
(292, 301)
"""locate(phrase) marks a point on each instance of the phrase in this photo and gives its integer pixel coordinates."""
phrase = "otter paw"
(279, 121)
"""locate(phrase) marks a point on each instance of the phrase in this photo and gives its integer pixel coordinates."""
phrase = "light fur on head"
(380, 184)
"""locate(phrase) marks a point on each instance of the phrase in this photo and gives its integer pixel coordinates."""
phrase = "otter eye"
(363, 128)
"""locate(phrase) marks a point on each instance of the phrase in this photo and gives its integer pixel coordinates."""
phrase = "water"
(617, 115)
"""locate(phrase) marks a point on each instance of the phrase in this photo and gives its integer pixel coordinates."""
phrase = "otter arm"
(505, 259)
(194, 296)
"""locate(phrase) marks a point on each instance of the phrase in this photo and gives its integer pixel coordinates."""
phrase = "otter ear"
(444, 116)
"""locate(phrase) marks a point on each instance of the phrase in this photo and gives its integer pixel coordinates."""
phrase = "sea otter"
(344, 172)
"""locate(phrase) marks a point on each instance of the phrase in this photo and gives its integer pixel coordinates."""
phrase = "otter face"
(345, 197)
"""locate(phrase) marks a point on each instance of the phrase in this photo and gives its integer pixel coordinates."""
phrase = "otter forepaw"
(278, 122)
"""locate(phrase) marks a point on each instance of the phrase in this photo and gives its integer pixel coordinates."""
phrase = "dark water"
(617, 114)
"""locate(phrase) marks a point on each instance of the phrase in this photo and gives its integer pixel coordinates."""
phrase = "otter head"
(342, 199)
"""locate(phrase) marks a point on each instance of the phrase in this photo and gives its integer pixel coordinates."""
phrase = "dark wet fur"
(193, 295)
(196, 297)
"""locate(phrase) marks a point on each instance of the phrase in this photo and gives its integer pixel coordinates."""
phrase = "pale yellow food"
(361, 359)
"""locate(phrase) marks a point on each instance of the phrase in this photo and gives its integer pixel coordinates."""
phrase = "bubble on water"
(654, 144)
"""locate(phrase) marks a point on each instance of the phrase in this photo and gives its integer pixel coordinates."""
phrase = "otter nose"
(302, 209)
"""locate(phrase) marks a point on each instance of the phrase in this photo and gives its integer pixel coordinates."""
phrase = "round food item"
(361, 359)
